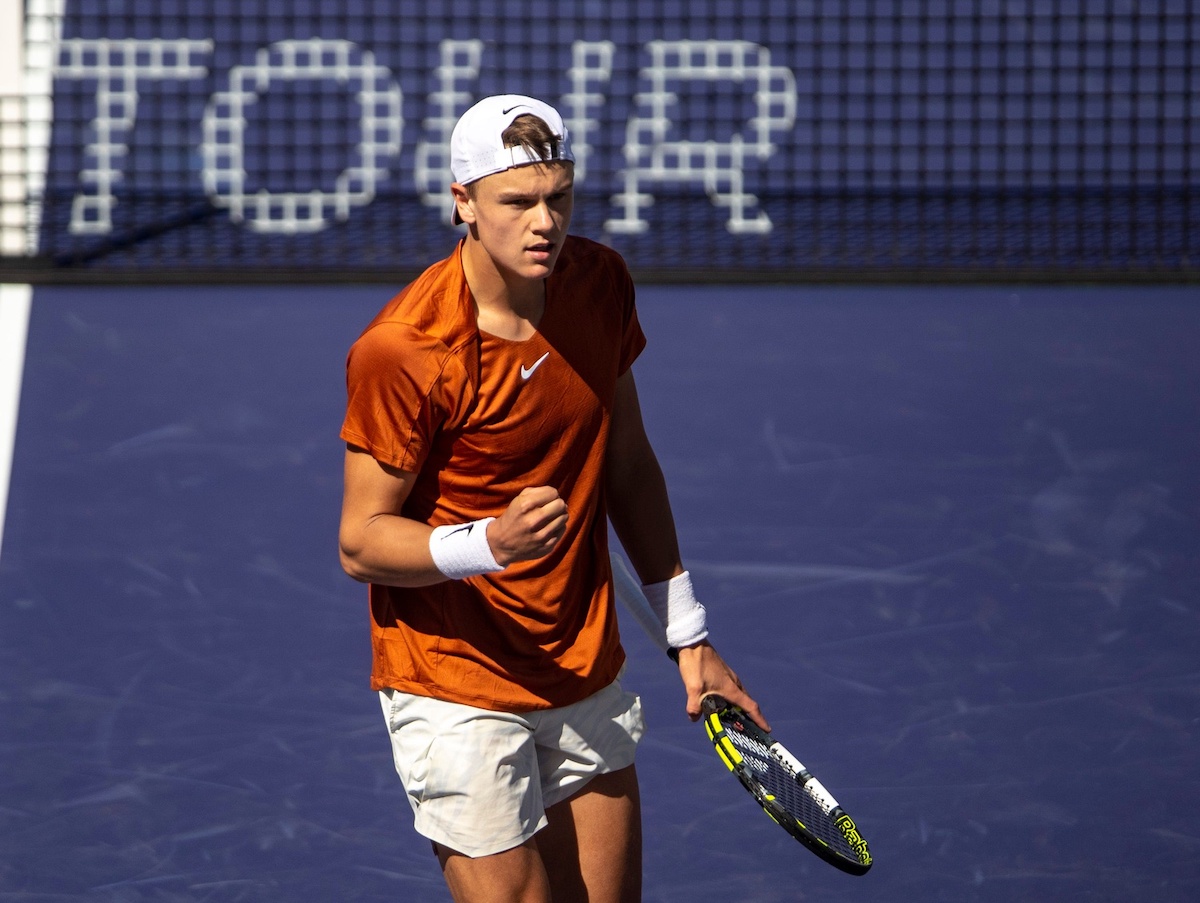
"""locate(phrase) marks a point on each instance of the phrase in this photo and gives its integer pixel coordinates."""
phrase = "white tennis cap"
(476, 149)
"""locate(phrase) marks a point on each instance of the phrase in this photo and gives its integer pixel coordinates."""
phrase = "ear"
(462, 203)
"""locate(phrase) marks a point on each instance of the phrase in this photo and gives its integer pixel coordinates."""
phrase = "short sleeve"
(401, 386)
(633, 340)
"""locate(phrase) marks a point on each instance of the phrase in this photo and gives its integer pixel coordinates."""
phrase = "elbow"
(353, 570)
(630, 476)
(620, 472)
(350, 556)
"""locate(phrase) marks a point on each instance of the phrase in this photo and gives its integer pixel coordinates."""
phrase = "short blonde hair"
(532, 133)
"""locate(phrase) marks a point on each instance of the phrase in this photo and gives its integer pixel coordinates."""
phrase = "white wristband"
(462, 550)
(674, 602)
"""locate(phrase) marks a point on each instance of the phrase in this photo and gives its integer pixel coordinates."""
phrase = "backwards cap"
(477, 150)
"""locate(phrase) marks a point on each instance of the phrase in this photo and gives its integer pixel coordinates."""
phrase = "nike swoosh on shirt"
(527, 372)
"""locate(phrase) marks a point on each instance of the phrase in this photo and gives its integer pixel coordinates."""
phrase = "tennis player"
(492, 432)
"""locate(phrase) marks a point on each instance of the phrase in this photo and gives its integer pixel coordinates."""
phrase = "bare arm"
(640, 511)
(638, 504)
(379, 545)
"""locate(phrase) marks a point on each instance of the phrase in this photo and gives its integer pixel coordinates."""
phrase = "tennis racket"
(785, 789)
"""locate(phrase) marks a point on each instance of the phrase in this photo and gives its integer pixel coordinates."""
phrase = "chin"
(539, 270)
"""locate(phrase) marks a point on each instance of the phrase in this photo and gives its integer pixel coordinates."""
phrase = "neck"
(505, 305)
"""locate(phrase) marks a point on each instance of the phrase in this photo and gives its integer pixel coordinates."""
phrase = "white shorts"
(479, 782)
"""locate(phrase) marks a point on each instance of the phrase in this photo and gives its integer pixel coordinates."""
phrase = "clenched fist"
(530, 527)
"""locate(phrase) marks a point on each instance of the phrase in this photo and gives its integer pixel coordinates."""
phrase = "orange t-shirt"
(478, 419)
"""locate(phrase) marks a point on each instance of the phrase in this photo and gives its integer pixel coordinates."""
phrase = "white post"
(29, 35)
(14, 327)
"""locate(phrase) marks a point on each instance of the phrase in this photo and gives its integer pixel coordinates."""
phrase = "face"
(520, 216)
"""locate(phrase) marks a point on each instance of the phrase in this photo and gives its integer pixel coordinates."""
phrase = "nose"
(543, 220)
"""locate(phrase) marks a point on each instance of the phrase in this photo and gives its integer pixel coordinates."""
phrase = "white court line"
(14, 329)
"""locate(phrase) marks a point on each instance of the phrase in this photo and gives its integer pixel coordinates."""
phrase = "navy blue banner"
(766, 136)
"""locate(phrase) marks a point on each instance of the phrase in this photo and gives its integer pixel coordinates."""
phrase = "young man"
(492, 432)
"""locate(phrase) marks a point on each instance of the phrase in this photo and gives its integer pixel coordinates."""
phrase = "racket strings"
(779, 782)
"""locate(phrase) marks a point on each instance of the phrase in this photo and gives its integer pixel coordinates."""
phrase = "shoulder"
(429, 325)
(583, 252)
(396, 370)
(393, 343)
(436, 304)
(589, 263)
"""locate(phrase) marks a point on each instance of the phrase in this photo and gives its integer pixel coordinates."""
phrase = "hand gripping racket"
(785, 789)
